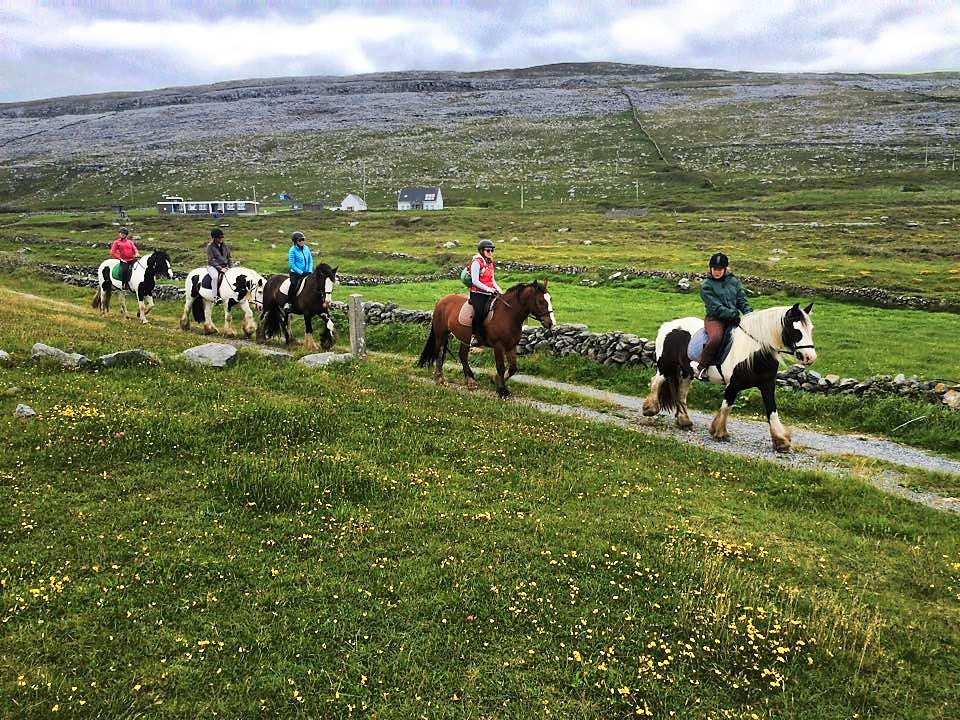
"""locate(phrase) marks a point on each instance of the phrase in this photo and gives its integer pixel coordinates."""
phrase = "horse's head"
(539, 304)
(325, 276)
(798, 333)
(159, 264)
(257, 285)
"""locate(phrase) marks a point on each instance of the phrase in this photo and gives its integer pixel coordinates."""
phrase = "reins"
(792, 351)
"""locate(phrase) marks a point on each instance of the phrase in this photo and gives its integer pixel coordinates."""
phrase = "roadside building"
(353, 202)
(420, 198)
(173, 205)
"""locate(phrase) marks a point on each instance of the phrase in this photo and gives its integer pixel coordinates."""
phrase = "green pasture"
(911, 252)
(274, 542)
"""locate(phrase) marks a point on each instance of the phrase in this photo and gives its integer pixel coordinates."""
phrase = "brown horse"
(502, 328)
(313, 298)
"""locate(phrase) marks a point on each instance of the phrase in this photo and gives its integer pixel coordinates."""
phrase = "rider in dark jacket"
(724, 299)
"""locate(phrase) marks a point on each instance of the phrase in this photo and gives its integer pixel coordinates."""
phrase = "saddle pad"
(466, 314)
(697, 342)
(285, 287)
(115, 272)
(206, 283)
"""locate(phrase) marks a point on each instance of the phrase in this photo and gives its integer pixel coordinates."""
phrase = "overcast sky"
(67, 48)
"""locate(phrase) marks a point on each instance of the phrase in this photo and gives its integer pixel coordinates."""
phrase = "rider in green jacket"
(724, 299)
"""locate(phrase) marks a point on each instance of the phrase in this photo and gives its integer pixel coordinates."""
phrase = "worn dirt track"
(751, 438)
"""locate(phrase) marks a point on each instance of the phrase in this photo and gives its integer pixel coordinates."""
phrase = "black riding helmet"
(216, 233)
(124, 231)
(719, 260)
(297, 236)
(484, 244)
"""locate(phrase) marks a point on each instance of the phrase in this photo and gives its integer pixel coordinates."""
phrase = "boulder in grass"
(46, 353)
(273, 353)
(129, 357)
(5, 358)
(216, 355)
(325, 358)
(951, 398)
(24, 411)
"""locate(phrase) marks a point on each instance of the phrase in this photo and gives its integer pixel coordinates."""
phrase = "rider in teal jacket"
(301, 264)
(724, 299)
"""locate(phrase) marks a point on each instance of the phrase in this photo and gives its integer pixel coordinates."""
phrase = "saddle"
(699, 340)
(465, 317)
(285, 289)
(206, 283)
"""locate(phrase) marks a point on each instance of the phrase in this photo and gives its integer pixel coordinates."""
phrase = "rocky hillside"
(569, 131)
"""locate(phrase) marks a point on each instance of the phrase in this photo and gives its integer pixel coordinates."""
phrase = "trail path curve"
(751, 438)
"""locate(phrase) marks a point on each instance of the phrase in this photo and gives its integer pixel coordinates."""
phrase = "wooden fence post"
(358, 327)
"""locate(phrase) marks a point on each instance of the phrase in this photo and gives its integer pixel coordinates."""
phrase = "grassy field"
(180, 542)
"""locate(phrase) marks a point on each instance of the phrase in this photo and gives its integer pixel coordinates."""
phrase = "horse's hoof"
(504, 393)
(209, 331)
(230, 333)
(650, 409)
(720, 437)
(684, 423)
(471, 384)
(184, 324)
(440, 381)
(781, 447)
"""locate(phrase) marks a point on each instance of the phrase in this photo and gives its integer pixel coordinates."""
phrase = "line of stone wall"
(625, 349)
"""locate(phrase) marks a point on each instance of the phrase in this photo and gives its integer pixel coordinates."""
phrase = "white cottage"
(353, 202)
(422, 198)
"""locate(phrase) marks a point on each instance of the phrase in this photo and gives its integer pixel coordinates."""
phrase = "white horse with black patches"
(239, 287)
(143, 274)
(752, 362)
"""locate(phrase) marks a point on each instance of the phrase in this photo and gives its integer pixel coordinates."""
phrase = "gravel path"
(751, 438)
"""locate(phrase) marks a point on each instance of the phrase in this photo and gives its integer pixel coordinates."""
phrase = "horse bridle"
(538, 318)
(792, 349)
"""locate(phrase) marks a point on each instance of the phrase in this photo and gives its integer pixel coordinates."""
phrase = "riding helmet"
(297, 236)
(718, 260)
(124, 231)
(216, 233)
(484, 244)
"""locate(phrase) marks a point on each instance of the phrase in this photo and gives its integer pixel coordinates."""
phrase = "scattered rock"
(325, 358)
(451, 244)
(353, 223)
(951, 398)
(563, 229)
(12, 391)
(5, 358)
(138, 356)
(24, 411)
(683, 284)
(272, 353)
(217, 355)
(46, 353)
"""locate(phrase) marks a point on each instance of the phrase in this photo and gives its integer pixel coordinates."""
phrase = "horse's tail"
(102, 298)
(674, 365)
(271, 321)
(96, 300)
(429, 353)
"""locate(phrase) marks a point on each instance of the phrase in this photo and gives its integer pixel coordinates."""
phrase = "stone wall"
(624, 349)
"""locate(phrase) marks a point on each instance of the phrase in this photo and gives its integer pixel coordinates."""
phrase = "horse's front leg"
(464, 355)
(718, 428)
(501, 383)
(148, 304)
(779, 434)
(309, 343)
(142, 309)
(249, 326)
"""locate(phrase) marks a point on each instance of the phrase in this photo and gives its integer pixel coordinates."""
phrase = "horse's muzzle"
(806, 356)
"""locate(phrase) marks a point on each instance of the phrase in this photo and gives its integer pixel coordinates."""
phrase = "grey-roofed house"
(420, 198)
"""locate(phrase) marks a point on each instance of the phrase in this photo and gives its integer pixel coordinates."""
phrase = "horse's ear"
(808, 309)
(335, 271)
(544, 283)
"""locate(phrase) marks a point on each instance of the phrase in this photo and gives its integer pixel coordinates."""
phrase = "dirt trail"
(751, 438)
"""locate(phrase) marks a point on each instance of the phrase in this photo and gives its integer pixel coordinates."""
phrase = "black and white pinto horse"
(752, 362)
(314, 297)
(146, 269)
(240, 287)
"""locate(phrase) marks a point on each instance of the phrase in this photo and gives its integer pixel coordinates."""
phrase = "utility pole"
(255, 211)
(363, 185)
(521, 194)
(637, 184)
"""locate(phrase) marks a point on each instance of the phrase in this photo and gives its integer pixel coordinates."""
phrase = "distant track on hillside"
(8, 141)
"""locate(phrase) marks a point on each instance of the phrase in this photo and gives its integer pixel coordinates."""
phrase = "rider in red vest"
(483, 288)
(126, 252)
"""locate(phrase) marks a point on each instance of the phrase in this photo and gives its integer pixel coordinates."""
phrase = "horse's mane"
(762, 332)
(324, 270)
(522, 286)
